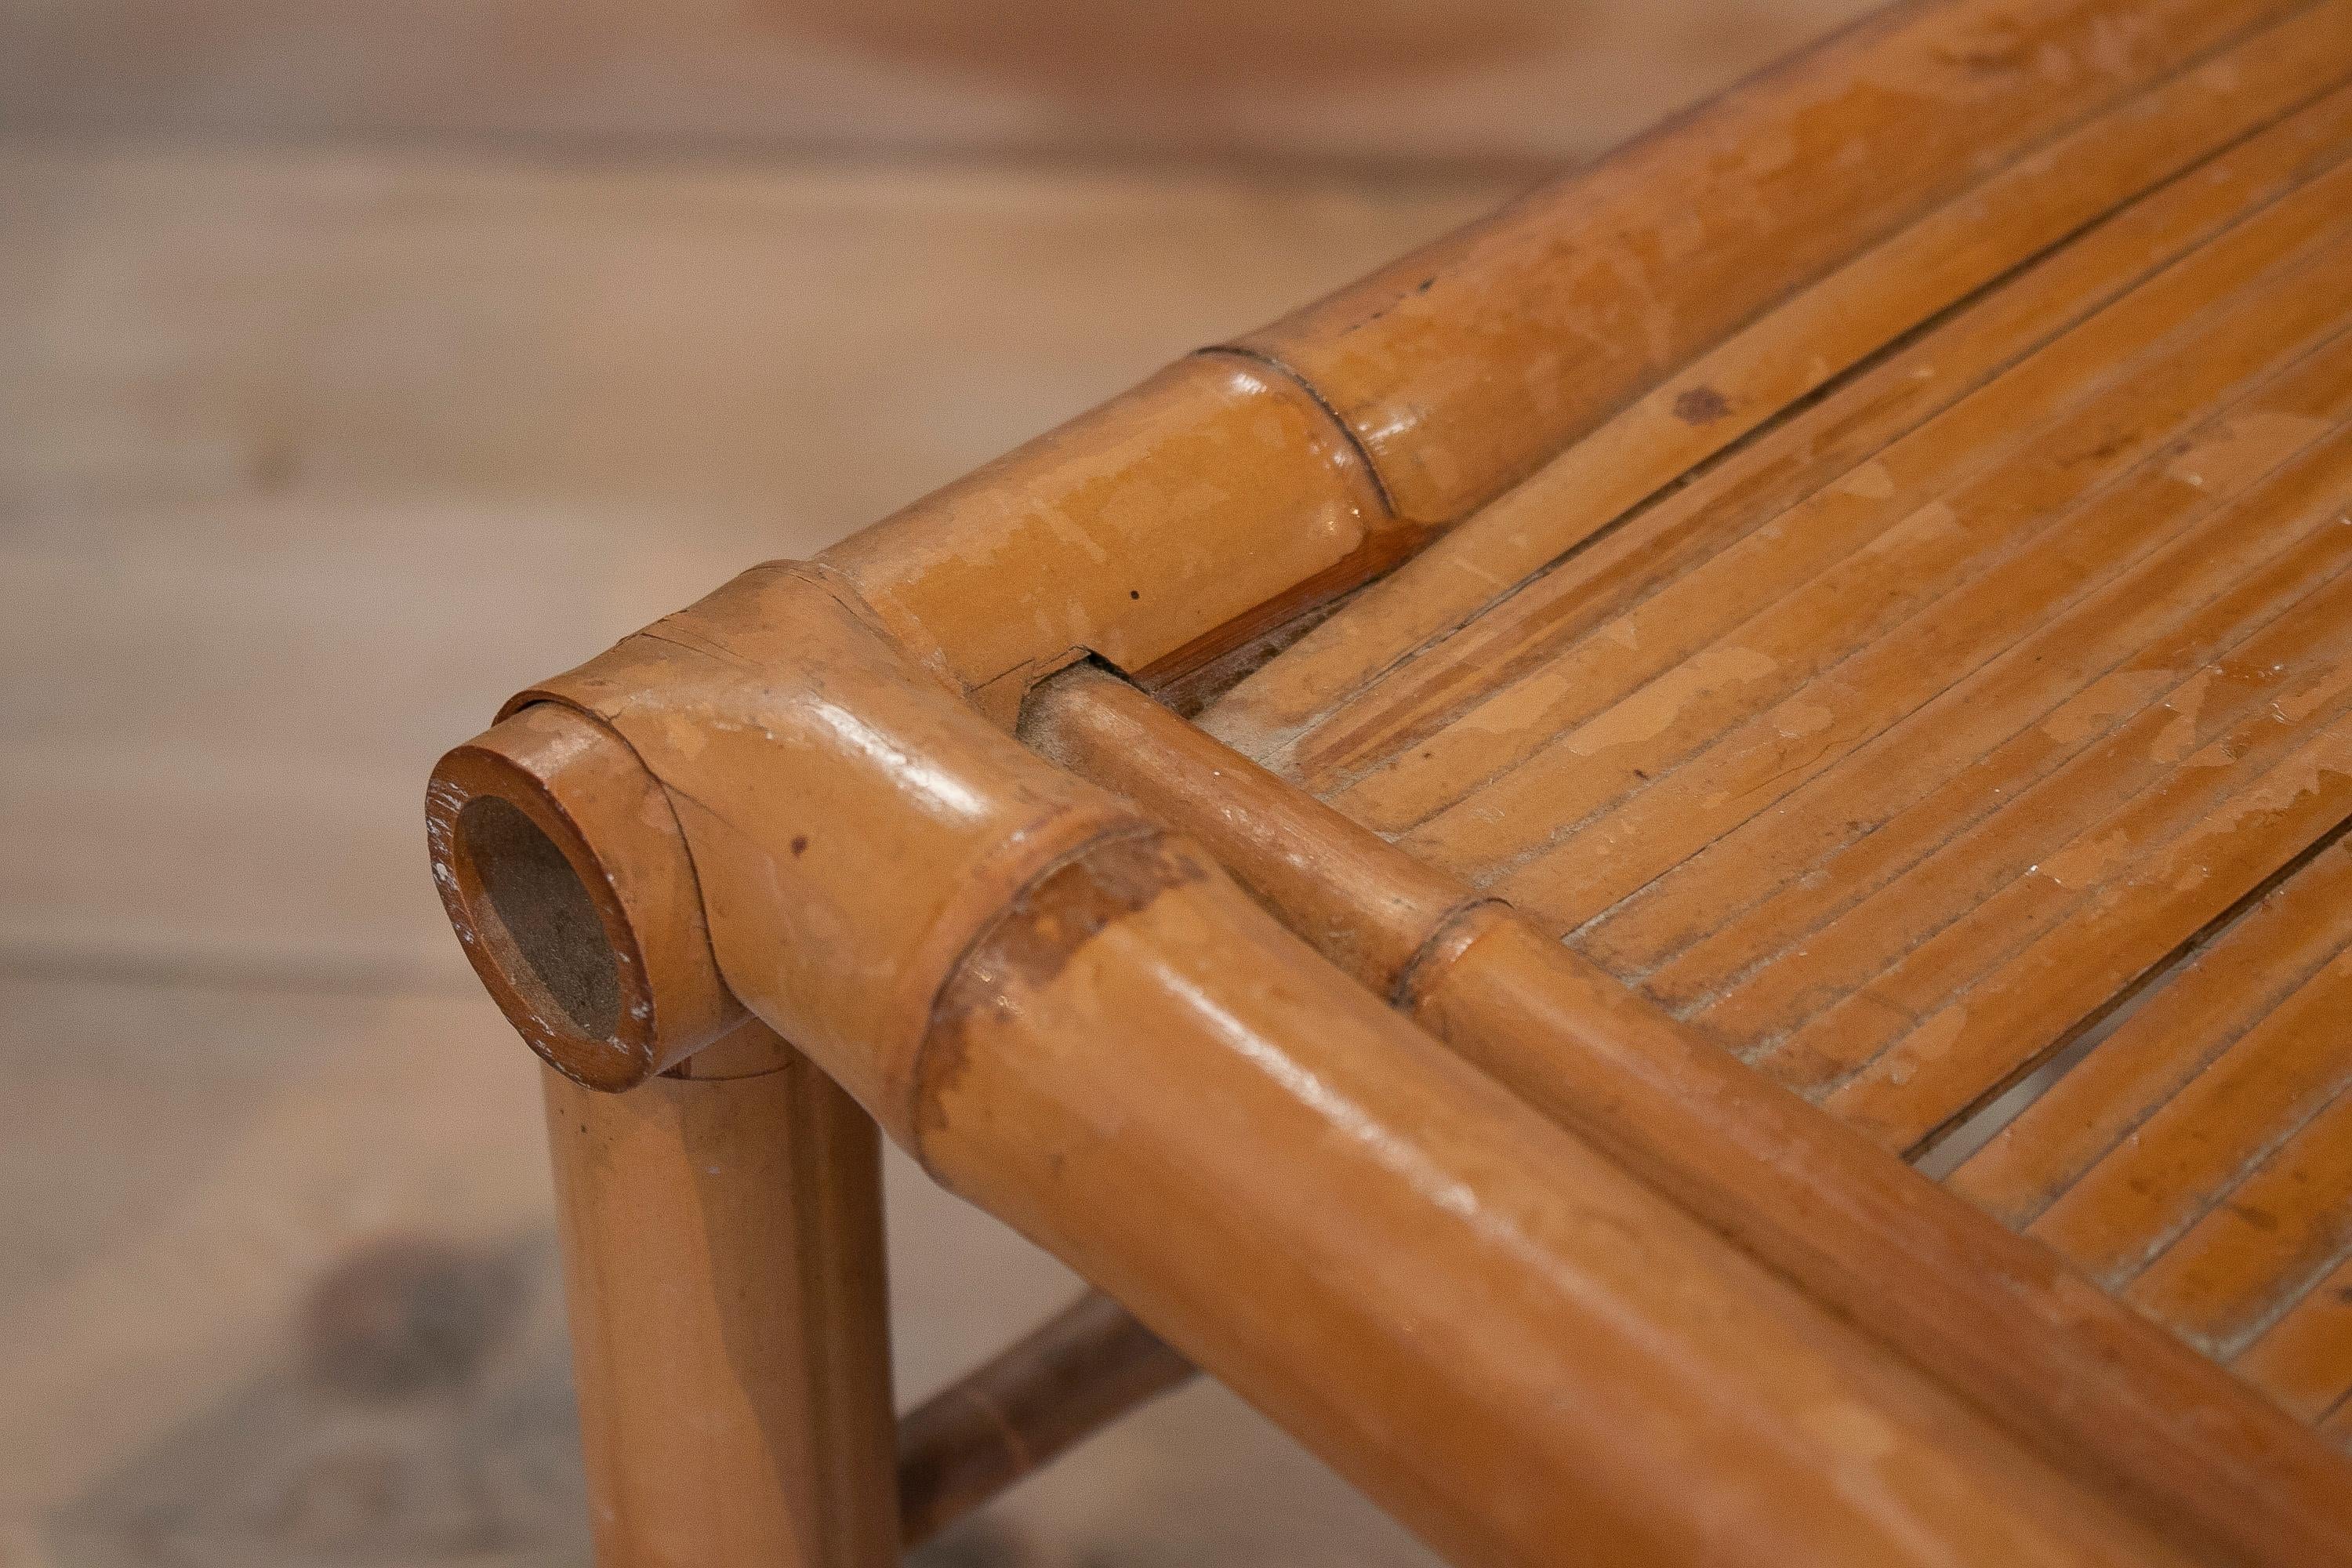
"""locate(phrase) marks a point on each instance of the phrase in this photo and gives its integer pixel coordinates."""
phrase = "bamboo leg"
(722, 1244)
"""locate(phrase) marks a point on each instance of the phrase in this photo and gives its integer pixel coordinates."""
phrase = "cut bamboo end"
(566, 876)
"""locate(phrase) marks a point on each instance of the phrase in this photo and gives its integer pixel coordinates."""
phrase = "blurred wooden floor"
(315, 441)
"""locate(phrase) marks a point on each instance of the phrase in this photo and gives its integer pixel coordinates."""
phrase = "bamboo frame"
(1508, 1327)
(980, 1035)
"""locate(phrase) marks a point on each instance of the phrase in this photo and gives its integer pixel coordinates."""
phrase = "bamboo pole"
(1040, 1397)
(722, 1247)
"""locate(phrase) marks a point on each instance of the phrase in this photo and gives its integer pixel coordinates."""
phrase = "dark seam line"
(2037, 934)
(2342, 1400)
(2158, 973)
(1347, 431)
(2107, 380)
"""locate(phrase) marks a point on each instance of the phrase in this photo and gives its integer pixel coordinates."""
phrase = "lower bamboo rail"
(1078, 1372)
(2099, 1391)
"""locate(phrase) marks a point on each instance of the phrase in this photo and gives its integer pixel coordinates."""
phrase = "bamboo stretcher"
(1671, 877)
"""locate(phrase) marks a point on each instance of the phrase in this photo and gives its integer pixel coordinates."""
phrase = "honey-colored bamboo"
(2089, 1384)
(511, 858)
(2251, 104)
(1133, 987)
(722, 1250)
(795, 810)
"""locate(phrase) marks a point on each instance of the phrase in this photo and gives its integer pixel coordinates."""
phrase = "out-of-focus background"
(358, 363)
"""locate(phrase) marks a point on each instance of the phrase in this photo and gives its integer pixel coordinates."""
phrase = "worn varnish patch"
(1034, 940)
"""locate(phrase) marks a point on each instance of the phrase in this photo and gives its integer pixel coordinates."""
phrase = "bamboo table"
(1671, 877)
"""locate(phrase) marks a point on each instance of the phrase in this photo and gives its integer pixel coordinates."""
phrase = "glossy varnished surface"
(1948, 679)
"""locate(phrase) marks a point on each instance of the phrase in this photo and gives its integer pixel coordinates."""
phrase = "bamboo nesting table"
(1671, 877)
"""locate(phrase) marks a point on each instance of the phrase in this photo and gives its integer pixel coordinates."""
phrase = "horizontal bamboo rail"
(2096, 1389)
(1074, 1373)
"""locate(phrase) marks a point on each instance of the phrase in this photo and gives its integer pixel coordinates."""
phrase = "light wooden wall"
(1512, 81)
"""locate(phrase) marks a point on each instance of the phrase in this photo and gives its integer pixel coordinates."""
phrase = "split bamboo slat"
(1818, 643)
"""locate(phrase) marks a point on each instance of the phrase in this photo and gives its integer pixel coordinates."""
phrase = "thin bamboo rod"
(2097, 1390)
(1035, 1400)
